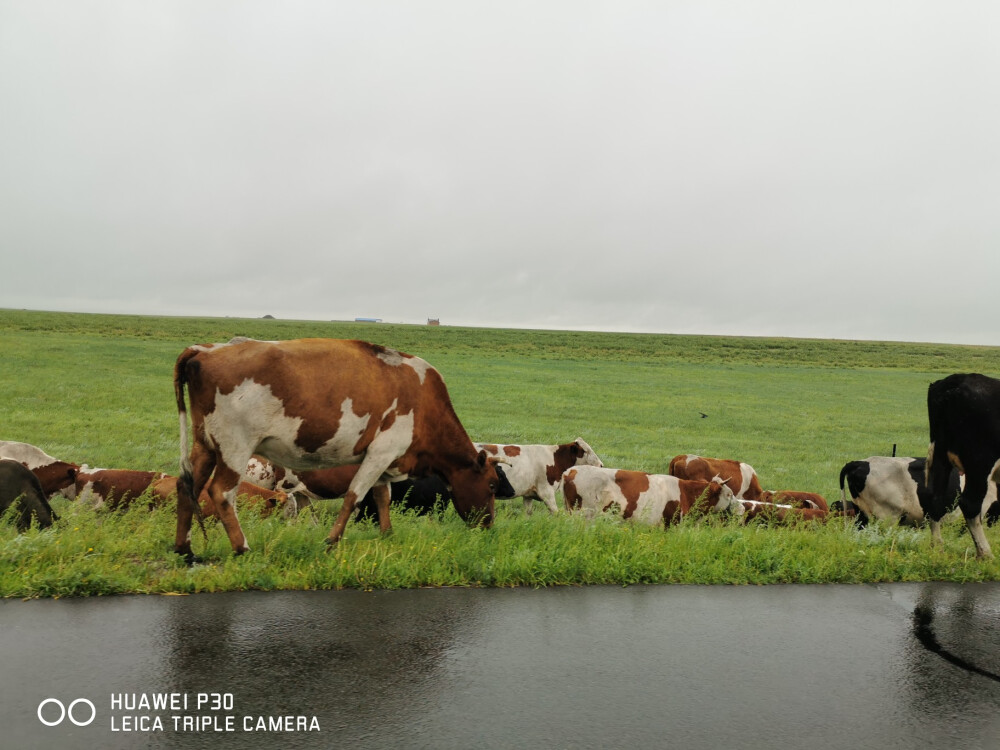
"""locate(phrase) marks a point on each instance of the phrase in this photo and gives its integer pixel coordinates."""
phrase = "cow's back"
(326, 397)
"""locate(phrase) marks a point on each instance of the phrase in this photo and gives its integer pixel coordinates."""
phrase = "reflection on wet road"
(910, 665)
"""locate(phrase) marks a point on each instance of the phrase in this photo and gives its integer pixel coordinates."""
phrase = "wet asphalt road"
(901, 665)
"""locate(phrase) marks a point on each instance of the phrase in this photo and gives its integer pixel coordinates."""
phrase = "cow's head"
(584, 454)
(474, 489)
(719, 497)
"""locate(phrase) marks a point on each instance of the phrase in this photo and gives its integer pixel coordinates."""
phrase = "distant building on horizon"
(368, 320)
(434, 321)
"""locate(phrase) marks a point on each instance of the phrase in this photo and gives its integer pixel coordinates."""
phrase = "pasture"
(97, 389)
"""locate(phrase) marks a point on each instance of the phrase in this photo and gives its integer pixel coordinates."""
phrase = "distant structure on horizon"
(434, 321)
(368, 320)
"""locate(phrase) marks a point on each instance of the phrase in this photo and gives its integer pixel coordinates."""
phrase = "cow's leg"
(223, 490)
(529, 505)
(382, 496)
(548, 496)
(371, 470)
(971, 503)
(189, 486)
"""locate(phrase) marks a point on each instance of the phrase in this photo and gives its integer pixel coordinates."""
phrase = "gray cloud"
(821, 169)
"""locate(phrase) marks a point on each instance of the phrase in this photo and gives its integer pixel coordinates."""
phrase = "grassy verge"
(97, 389)
(93, 554)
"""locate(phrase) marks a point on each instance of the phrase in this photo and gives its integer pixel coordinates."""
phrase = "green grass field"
(97, 389)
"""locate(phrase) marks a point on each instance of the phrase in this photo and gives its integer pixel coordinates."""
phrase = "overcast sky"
(824, 169)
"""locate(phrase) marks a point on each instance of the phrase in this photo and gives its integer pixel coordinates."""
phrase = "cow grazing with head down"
(20, 487)
(54, 475)
(317, 403)
(964, 415)
(534, 471)
(738, 476)
(649, 498)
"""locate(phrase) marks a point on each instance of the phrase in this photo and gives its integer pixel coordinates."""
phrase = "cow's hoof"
(331, 544)
(190, 558)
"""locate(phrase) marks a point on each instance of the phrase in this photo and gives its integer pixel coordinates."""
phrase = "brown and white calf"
(740, 477)
(781, 512)
(113, 488)
(54, 475)
(314, 404)
(534, 471)
(804, 500)
(648, 498)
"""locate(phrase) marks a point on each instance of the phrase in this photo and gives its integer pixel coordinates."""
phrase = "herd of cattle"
(285, 423)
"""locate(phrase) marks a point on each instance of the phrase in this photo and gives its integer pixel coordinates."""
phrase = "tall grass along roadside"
(97, 389)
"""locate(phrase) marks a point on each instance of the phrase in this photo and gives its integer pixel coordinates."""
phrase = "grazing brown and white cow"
(803, 500)
(649, 498)
(54, 475)
(781, 512)
(740, 477)
(314, 404)
(534, 471)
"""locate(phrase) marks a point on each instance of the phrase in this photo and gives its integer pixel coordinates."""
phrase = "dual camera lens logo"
(76, 712)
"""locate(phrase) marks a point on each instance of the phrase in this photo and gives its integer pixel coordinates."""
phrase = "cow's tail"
(843, 493)
(187, 472)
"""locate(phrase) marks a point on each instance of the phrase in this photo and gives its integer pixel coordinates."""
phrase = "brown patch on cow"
(632, 484)
(512, 450)
(56, 476)
(691, 467)
(671, 512)
(329, 483)
(956, 462)
(564, 457)
(571, 497)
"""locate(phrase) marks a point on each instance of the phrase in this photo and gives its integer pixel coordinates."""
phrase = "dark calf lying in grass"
(423, 495)
(21, 488)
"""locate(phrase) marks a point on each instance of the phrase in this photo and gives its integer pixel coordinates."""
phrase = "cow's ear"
(481, 460)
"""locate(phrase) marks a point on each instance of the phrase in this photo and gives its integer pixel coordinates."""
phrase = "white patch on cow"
(889, 490)
(747, 473)
(395, 358)
(260, 473)
(243, 418)
(25, 453)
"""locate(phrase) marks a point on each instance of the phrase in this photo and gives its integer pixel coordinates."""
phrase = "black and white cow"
(889, 488)
(964, 415)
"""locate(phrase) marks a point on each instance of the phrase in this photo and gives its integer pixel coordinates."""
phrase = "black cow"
(19, 485)
(890, 488)
(422, 495)
(964, 415)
